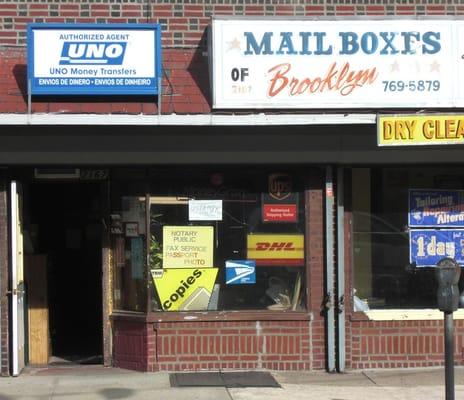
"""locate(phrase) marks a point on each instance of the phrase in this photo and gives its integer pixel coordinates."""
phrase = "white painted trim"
(194, 119)
(14, 279)
(410, 315)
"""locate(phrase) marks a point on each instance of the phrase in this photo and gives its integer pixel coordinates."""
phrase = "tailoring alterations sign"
(185, 289)
(340, 63)
(411, 130)
(188, 246)
(94, 59)
(436, 208)
(276, 249)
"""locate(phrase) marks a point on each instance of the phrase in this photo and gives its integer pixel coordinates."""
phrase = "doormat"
(223, 379)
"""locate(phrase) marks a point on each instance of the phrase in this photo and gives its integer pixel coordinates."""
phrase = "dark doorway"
(64, 221)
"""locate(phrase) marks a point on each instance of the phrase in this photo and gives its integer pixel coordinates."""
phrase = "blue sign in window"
(429, 246)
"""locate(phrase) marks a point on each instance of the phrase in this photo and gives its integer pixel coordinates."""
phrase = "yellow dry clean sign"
(188, 246)
(187, 289)
(276, 249)
(409, 130)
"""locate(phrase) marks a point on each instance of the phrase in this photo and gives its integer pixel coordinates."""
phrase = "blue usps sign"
(94, 59)
(240, 272)
(429, 246)
(436, 208)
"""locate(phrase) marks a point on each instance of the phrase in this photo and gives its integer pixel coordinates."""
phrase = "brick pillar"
(315, 261)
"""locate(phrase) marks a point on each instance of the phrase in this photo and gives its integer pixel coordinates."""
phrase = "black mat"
(223, 379)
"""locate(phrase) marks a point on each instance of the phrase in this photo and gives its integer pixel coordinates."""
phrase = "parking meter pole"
(449, 355)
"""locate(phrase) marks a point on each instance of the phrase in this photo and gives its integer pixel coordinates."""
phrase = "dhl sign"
(277, 250)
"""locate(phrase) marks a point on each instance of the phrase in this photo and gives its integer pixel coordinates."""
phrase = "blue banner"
(429, 246)
(436, 208)
(94, 59)
(240, 272)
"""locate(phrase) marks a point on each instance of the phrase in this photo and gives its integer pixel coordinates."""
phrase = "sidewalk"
(99, 383)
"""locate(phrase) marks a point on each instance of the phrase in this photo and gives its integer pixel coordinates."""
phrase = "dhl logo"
(271, 249)
(275, 246)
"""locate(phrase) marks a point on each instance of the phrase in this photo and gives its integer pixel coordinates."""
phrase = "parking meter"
(447, 273)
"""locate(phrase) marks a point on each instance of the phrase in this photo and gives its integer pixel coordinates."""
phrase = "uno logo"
(180, 291)
(275, 246)
(92, 53)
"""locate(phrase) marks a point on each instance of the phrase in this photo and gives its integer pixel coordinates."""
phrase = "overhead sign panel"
(411, 130)
(306, 63)
(94, 59)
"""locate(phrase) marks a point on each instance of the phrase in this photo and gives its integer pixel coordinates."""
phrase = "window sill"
(255, 315)
(407, 315)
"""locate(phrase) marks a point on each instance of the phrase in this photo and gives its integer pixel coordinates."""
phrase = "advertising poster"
(436, 208)
(240, 272)
(185, 289)
(205, 210)
(276, 249)
(429, 246)
(137, 259)
(188, 246)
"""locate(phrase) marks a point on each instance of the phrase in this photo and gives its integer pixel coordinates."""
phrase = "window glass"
(128, 243)
(226, 240)
(383, 275)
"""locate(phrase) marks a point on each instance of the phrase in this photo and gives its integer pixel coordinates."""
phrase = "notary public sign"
(436, 208)
(425, 129)
(94, 59)
(349, 63)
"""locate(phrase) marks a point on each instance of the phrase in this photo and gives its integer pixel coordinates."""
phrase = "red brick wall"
(189, 346)
(402, 344)
(185, 88)
(184, 24)
(275, 345)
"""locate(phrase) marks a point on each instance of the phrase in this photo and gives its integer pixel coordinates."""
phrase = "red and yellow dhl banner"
(275, 249)
(410, 130)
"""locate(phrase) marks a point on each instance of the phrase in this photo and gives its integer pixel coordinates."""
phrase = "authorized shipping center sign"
(94, 59)
(349, 63)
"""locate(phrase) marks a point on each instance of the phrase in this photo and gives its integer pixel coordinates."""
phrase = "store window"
(221, 240)
(385, 277)
(129, 245)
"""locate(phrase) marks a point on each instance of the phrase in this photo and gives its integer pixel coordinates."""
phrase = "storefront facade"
(235, 220)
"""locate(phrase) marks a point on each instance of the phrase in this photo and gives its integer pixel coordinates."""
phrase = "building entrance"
(63, 272)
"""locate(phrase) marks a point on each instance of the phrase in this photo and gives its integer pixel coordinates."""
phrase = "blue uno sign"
(436, 208)
(429, 246)
(94, 59)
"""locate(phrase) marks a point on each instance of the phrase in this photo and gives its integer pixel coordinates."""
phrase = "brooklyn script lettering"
(337, 79)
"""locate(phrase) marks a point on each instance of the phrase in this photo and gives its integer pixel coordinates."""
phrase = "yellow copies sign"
(410, 130)
(279, 250)
(188, 246)
(185, 289)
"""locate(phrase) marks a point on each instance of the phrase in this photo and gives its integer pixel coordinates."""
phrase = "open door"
(17, 281)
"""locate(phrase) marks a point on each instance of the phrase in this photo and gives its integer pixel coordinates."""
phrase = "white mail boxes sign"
(94, 59)
(349, 63)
